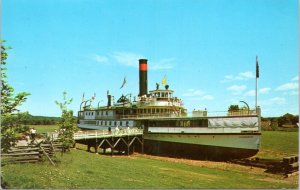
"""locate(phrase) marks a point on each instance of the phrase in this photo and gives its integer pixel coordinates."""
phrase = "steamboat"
(169, 130)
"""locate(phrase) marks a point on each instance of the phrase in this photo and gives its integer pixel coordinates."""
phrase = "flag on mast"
(164, 81)
(83, 97)
(257, 68)
(124, 82)
(93, 97)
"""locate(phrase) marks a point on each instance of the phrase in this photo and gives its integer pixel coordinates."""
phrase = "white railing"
(101, 133)
(105, 133)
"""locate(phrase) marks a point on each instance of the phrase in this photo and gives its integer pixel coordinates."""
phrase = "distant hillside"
(41, 120)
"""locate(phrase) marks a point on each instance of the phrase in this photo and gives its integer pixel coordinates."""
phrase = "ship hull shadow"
(193, 151)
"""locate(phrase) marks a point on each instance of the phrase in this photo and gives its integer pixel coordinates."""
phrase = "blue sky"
(206, 49)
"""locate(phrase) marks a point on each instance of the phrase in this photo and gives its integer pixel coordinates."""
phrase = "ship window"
(127, 123)
(149, 110)
(109, 123)
(157, 110)
(187, 123)
(145, 111)
(106, 112)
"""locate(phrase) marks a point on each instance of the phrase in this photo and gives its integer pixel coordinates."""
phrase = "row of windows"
(139, 111)
(182, 123)
(113, 123)
(162, 94)
(98, 113)
(153, 110)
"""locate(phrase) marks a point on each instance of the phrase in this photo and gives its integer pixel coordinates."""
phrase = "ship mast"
(256, 78)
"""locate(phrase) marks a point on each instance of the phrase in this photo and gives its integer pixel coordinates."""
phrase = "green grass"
(277, 144)
(81, 169)
(44, 128)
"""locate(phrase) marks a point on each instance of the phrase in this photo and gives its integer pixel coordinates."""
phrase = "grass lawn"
(81, 169)
(44, 128)
(277, 144)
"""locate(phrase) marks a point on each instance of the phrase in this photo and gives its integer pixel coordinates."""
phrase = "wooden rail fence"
(31, 153)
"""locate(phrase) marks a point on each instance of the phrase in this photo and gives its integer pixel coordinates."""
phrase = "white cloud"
(131, 60)
(193, 94)
(264, 90)
(127, 58)
(162, 64)
(288, 86)
(277, 100)
(237, 88)
(260, 91)
(273, 102)
(296, 92)
(240, 76)
(246, 75)
(250, 93)
(296, 78)
(229, 77)
(207, 97)
(100, 59)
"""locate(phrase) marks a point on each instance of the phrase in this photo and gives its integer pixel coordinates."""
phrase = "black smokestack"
(143, 77)
(108, 99)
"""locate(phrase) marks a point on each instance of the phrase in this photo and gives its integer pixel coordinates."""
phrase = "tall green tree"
(11, 119)
(288, 119)
(233, 108)
(67, 123)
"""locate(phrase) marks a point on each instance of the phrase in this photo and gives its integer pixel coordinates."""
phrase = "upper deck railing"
(92, 134)
(207, 114)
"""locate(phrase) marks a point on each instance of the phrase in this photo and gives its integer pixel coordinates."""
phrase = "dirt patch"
(225, 166)
(189, 174)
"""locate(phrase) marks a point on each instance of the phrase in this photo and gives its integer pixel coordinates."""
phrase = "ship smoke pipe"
(143, 77)
(108, 99)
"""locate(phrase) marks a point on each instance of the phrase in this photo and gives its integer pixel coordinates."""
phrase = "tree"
(67, 122)
(10, 119)
(287, 119)
(233, 108)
